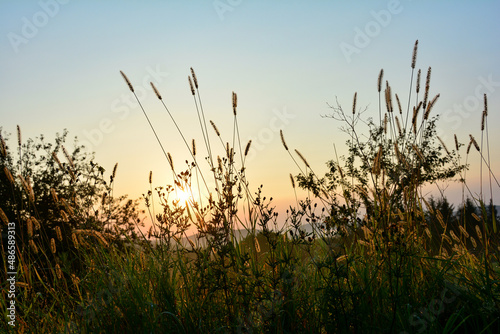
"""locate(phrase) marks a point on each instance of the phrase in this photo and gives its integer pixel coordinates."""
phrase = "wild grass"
(366, 252)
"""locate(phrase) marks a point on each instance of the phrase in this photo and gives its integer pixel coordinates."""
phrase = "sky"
(60, 65)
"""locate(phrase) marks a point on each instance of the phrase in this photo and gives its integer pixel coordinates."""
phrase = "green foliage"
(60, 209)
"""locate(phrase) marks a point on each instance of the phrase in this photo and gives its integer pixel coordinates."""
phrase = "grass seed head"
(9, 176)
(427, 85)
(478, 232)
(156, 91)
(354, 103)
(292, 180)
(64, 216)
(235, 103)
(75, 280)
(52, 245)
(414, 55)
(193, 147)
(215, 128)
(29, 227)
(399, 104)
(473, 141)
(58, 271)
(428, 232)
(447, 239)
(68, 157)
(440, 219)
(388, 98)
(68, 208)
(415, 116)
(341, 172)
(58, 233)
(3, 217)
(302, 158)
(170, 161)
(247, 148)
(454, 236)
(100, 237)
(19, 136)
(485, 105)
(443, 144)
(75, 240)
(35, 223)
(257, 245)
(343, 258)
(56, 159)
(33, 246)
(127, 81)
(473, 241)
(398, 153)
(419, 153)
(194, 78)
(191, 85)
(114, 171)
(3, 147)
(463, 231)
(27, 188)
(456, 142)
(418, 80)
(380, 76)
(400, 132)
(283, 140)
(469, 146)
(429, 106)
(219, 163)
(377, 162)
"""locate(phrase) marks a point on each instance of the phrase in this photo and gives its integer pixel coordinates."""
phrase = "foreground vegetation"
(364, 253)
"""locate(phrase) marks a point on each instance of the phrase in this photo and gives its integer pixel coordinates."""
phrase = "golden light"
(183, 196)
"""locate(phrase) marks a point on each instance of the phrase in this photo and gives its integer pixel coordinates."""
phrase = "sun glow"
(184, 197)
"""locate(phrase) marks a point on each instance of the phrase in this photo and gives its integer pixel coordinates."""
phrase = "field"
(365, 252)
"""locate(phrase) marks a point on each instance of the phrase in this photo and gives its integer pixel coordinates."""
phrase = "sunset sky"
(60, 63)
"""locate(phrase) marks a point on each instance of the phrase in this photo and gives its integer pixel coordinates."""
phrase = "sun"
(183, 196)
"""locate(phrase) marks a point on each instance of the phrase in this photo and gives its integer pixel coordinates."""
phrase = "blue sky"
(60, 63)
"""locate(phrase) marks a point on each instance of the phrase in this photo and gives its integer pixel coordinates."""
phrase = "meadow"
(364, 252)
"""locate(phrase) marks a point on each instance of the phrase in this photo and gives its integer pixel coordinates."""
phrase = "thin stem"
(186, 143)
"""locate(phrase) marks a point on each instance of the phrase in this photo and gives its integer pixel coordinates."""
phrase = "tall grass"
(380, 258)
